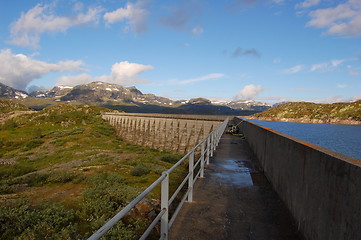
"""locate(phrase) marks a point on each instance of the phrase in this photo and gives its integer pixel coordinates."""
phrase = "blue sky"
(265, 50)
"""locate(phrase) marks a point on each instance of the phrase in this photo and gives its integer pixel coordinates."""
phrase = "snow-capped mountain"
(109, 94)
(9, 92)
(245, 105)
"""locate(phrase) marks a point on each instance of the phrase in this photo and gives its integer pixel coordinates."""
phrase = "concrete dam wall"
(321, 188)
(174, 133)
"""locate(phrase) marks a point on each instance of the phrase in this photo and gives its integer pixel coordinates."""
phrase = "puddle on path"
(240, 173)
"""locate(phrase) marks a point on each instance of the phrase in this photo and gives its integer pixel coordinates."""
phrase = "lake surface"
(345, 139)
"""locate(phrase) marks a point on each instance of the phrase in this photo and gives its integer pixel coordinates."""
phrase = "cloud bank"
(122, 73)
(344, 19)
(26, 31)
(18, 70)
(134, 14)
(249, 92)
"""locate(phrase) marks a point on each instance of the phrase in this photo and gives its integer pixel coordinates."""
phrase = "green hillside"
(7, 106)
(347, 113)
(63, 173)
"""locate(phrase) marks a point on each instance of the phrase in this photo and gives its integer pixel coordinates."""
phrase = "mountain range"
(129, 99)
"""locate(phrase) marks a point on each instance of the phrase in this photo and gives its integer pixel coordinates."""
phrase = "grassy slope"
(7, 106)
(328, 113)
(63, 173)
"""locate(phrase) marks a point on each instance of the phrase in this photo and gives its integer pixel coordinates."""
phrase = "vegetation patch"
(64, 173)
(349, 113)
(139, 170)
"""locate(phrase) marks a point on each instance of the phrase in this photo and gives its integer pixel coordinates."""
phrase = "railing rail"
(207, 145)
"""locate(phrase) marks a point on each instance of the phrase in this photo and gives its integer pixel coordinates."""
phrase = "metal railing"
(196, 169)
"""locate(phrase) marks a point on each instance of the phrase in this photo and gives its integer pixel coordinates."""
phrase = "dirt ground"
(234, 201)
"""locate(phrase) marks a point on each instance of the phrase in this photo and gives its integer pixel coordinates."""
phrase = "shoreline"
(307, 120)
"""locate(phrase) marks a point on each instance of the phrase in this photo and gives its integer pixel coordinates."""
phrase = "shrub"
(33, 144)
(7, 187)
(9, 125)
(170, 158)
(35, 180)
(139, 170)
(60, 177)
(108, 193)
(14, 171)
(47, 221)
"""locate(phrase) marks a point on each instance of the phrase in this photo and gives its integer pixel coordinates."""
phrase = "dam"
(300, 190)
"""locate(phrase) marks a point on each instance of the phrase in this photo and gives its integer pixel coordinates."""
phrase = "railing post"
(191, 176)
(208, 149)
(202, 160)
(164, 205)
(212, 144)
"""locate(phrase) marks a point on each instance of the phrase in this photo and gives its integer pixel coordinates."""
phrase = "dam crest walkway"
(234, 200)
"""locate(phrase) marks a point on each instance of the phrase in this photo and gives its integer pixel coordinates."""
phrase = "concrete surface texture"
(321, 188)
(171, 134)
(234, 201)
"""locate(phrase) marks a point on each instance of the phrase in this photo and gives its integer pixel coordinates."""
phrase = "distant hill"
(248, 105)
(130, 99)
(9, 92)
(337, 113)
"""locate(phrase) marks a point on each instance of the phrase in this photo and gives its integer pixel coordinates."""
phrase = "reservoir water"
(345, 139)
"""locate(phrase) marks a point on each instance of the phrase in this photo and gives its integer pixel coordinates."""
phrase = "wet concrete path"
(233, 201)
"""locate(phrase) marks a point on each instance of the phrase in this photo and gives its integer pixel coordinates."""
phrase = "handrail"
(208, 145)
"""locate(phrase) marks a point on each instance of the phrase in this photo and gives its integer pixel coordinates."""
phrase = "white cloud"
(344, 19)
(308, 3)
(249, 92)
(18, 70)
(342, 86)
(327, 66)
(357, 97)
(333, 99)
(211, 76)
(197, 31)
(278, 1)
(319, 66)
(26, 31)
(127, 73)
(135, 14)
(277, 60)
(293, 70)
(335, 63)
(122, 73)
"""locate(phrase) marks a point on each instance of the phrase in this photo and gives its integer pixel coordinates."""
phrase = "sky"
(264, 50)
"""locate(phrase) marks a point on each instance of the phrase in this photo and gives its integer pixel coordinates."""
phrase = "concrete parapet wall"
(171, 116)
(321, 188)
(161, 132)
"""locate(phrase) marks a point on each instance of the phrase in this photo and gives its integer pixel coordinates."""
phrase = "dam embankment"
(170, 132)
(321, 188)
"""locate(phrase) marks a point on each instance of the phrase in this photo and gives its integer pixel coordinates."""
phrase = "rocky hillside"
(9, 92)
(56, 92)
(337, 113)
(100, 92)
